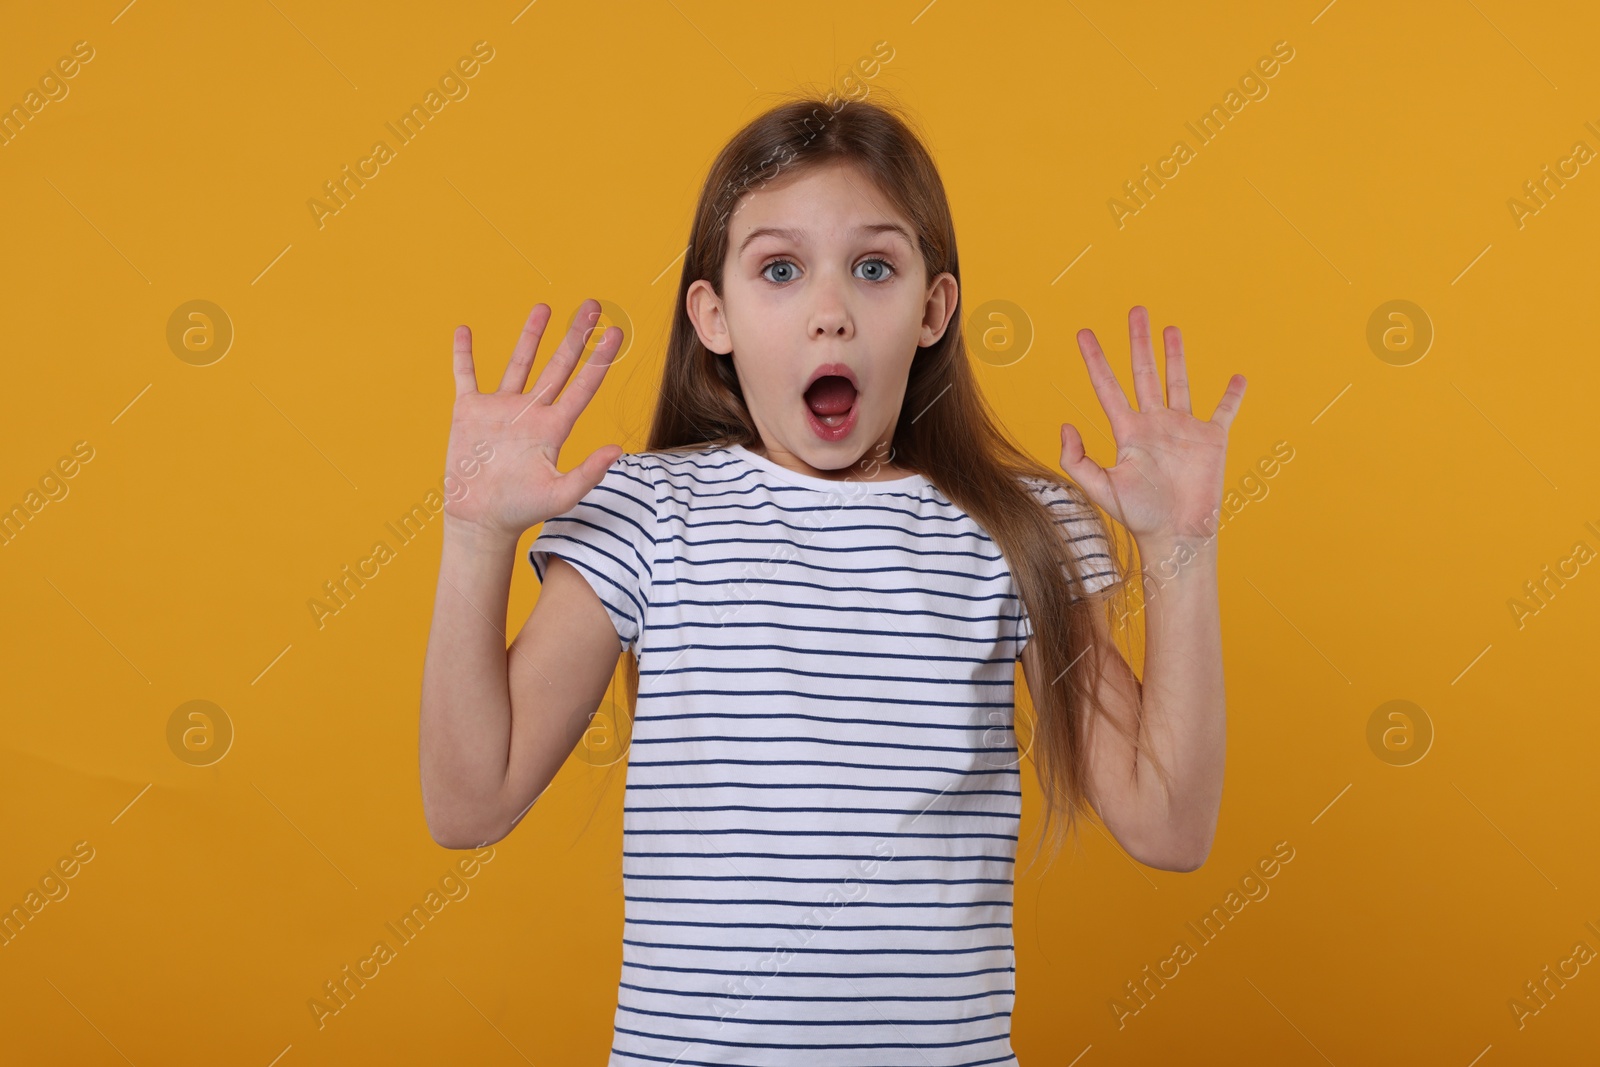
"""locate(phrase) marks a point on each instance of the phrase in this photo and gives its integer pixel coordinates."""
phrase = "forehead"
(835, 201)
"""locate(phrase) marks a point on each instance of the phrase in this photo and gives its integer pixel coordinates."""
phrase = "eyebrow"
(798, 237)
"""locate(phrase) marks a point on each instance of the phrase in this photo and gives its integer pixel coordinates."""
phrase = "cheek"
(761, 380)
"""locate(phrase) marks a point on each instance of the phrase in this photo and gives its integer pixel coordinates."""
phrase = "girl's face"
(823, 279)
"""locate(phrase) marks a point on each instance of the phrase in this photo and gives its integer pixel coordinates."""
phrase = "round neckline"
(827, 485)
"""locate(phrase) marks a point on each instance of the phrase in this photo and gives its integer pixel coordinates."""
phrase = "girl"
(825, 567)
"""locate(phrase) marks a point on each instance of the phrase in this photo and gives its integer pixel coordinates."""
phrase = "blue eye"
(776, 263)
(886, 264)
(885, 269)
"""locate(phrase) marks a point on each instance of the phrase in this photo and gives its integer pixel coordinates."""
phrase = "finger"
(516, 375)
(576, 396)
(1228, 406)
(559, 369)
(466, 376)
(1177, 371)
(1106, 387)
(1146, 379)
(1080, 468)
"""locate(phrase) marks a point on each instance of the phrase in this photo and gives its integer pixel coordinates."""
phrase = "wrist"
(477, 538)
(1193, 534)
(1166, 553)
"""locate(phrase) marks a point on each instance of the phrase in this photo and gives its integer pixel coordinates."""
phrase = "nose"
(829, 315)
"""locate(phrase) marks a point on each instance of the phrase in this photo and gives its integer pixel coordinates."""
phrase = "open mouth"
(831, 399)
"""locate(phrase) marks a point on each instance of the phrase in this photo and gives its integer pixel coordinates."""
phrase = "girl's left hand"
(1167, 481)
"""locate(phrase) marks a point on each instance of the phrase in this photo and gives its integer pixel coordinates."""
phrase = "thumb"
(1080, 468)
(586, 475)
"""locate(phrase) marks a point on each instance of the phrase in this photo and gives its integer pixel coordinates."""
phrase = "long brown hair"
(946, 430)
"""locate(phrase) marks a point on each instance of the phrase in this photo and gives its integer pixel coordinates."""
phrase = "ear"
(936, 312)
(705, 311)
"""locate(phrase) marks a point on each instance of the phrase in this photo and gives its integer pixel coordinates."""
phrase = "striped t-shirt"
(822, 801)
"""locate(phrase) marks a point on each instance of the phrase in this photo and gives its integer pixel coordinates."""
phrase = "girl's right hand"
(509, 441)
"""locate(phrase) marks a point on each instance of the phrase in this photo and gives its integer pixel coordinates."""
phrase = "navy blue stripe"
(580, 559)
(821, 833)
(790, 926)
(818, 1022)
(701, 490)
(824, 763)
(832, 676)
(724, 585)
(831, 1000)
(1008, 1060)
(831, 785)
(898, 528)
(892, 527)
(891, 723)
(753, 878)
(899, 550)
(964, 618)
(854, 572)
(846, 698)
(829, 951)
(640, 810)
(930, 976)
(687, 624)
(677, 1061)
(723, 646)
(815, 856)
(575, 518)
(814, 740)
(812, 904)
(792, 1046)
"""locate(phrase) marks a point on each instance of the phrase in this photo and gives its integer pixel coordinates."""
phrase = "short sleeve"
(609, 537)
(1082, 528)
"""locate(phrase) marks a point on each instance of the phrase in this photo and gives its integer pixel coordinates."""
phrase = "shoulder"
(676, 465)
(632, 473)
(673, 478)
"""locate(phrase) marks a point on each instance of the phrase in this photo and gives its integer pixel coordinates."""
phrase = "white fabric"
(822, 802)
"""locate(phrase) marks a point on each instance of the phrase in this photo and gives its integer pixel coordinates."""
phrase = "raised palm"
(520, 486)
(1167, 479)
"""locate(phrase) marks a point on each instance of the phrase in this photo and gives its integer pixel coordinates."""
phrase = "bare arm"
(1184, 722)
(1165, 489)
(496, 723)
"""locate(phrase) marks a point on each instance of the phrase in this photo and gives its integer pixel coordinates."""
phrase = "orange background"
(1379, 564)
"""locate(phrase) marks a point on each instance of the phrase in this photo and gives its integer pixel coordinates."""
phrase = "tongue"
(831, 395)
